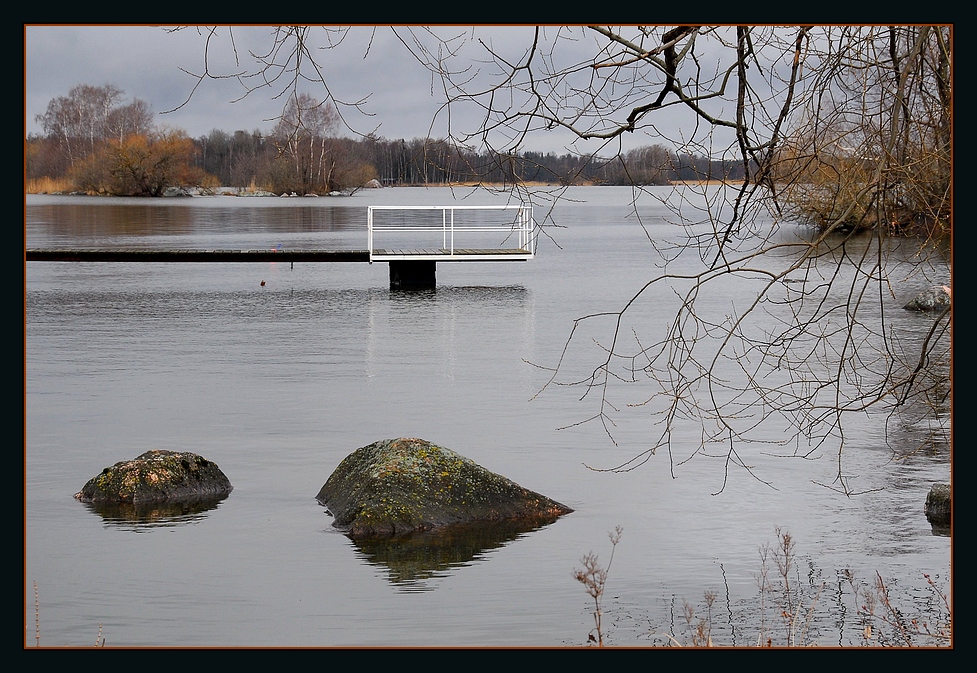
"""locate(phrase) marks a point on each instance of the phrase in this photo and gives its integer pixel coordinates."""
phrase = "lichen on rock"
(404, 485)
(157, 476)
(937, 505)
(933, 299)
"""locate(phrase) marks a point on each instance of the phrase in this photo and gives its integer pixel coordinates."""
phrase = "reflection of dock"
(411, 267)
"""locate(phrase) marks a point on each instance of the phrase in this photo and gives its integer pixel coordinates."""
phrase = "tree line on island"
(96, 141)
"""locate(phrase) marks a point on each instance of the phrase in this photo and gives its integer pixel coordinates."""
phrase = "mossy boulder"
(399, 486)
(937, 505)
(934, 299)
(157, 476)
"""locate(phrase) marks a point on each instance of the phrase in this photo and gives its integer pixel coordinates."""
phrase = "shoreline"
(240, 191)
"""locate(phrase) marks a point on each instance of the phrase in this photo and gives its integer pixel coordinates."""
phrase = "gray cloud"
(372, 65)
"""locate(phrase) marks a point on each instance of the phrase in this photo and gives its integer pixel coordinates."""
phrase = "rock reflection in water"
(412, 559)
(153, 515)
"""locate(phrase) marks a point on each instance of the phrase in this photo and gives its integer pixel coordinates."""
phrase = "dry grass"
(594, 577)
(47, 185)
(99, 639)
(788, 607)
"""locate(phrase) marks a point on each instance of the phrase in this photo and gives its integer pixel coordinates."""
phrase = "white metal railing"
(518, 228)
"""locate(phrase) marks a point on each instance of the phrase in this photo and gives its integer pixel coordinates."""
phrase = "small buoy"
(262, 283)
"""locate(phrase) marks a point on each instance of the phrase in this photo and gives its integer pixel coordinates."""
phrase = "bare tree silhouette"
(843, 133)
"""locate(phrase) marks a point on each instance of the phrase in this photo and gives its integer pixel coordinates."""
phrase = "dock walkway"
(410, 267)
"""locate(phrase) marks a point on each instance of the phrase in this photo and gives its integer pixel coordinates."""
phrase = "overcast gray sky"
(370, 63)
(146, 62)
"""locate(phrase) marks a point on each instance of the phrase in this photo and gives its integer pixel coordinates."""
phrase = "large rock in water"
(937, 506)
(934, 299)
(399, 486)
(157, 476)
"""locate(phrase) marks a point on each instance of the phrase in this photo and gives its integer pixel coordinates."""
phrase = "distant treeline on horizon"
(98, 142)
(245, 159)
(425, 161)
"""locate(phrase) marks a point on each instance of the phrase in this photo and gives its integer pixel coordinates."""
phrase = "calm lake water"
(277, 383)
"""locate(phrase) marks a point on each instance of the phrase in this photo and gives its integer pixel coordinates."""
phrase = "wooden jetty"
(410, 267)
(157, 255)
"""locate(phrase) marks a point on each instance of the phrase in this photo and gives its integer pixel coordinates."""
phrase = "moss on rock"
(398, 486)
(933, 299)
(937, 506)
(157, 476)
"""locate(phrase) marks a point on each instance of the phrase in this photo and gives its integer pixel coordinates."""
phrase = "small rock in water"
(933, 299)
(937, 505)
(157, 476)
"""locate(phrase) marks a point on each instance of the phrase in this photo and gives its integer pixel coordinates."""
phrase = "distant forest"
(424, 161)
(96, 142)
